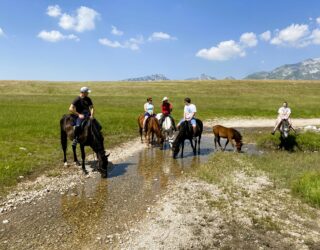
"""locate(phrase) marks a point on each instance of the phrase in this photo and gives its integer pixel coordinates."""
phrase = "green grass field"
(29, 131)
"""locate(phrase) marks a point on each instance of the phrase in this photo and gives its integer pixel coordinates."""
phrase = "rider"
(190, 111)
(148, 109)
(82, 108)
(166, 109)
(283, 114)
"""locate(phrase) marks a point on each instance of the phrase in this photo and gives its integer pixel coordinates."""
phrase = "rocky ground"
(247, 212)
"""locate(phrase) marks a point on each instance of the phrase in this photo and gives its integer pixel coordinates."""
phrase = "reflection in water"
(101, 207)
(83, 207)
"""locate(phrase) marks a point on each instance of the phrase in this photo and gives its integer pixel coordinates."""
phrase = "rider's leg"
(276, 126)
(161, 121)
(144, 122)
(194, 126)
(77, 129)
(173, 124)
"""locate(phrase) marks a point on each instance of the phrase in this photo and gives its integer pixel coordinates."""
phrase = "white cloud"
(224, 51)
(132, 43)
(318, 20)
(294, 35)
(248, 39)
(54, 11)
(83, 20)
(265, 36)
(112, 44)
(315, 36)
(55, 36)
(156, 36)
(115, 31)
(1, 32)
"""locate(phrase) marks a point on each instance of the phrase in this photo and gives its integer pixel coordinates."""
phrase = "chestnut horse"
(90, 136)
(152, 128)
(230, 134)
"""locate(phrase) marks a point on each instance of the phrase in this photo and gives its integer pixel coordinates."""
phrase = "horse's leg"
(215, 142)
(218, 139)
(83, 156)
(182, 147)
(226, 144)
(140, 131)
(75, 158)
(64, 144)
(195, 146)
(233, 146)
(199, 139)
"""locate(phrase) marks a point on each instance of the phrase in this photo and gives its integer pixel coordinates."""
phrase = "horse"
(186, 132)
(152, 127)
(90, 136)
(284, 129)
(230, 134)
(167, 129)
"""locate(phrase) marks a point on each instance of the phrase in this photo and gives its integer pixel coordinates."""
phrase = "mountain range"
(149, 78)
(306, 70)
(202, 77)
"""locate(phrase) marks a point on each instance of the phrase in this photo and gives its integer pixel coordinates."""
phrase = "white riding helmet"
(85, 90)
(165, 99)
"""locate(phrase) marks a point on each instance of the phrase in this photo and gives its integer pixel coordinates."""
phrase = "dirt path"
(260, 122)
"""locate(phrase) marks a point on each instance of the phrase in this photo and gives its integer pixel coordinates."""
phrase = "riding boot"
(173, 124)
(76, 135)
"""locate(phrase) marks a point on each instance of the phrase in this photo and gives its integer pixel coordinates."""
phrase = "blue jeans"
(193, 122)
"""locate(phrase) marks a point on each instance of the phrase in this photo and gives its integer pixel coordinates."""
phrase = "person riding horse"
(284, 113)
(166, 109)
(81, 108)
(190, 111)
(148, 109)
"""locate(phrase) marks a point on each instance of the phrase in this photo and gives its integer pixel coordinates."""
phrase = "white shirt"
(148, 107)
(284, 113)
(188, 110)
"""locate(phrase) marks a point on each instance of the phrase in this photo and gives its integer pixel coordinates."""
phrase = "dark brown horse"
(90, 136)
(186, 133)
(230, 134)
(152, 128)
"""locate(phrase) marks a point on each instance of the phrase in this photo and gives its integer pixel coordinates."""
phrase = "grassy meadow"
(29, 130)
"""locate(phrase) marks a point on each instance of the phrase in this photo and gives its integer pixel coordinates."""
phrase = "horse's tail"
(63, 133)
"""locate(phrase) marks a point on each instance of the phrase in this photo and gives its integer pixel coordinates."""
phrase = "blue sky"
(114, 40)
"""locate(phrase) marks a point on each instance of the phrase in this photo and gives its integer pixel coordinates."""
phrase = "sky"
(101, 40)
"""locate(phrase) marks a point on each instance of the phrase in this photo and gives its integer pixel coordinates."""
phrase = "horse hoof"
(65, 164)
(77, 163)
(85, 172)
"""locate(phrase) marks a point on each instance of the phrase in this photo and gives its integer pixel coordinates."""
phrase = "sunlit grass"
(30, 112)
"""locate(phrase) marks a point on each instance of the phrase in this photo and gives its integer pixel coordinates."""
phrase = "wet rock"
(5, 221)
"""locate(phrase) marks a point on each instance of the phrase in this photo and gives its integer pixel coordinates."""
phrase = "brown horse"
(90, 136)
(152, 128)
(230, 134)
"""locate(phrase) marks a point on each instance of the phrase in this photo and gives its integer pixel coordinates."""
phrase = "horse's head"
(238, 146)
(285, 128)
(178, 140)
(103, 163)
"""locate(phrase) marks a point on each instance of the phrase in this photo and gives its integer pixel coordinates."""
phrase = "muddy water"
(93, 214)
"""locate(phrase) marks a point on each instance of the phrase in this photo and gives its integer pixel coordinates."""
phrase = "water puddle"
(91, 213)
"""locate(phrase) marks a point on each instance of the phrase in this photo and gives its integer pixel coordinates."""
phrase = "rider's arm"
(91, 111)
(145, 107)
(73, 110)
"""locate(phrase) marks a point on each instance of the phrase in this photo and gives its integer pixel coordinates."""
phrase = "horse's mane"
(97, 137)
(237, 135)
